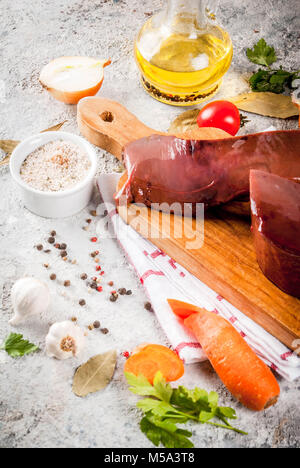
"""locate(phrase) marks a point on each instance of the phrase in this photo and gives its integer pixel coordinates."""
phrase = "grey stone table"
(37, 406)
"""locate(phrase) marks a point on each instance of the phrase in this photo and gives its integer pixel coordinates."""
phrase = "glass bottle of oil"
(183, 53)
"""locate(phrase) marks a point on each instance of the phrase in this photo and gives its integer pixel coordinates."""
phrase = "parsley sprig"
(15, 346)
(165, 407)
(262, 54)
(269, 80)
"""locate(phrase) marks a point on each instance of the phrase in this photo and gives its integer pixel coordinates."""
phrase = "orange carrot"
(245, 375)
(182, 309)
(152, 359)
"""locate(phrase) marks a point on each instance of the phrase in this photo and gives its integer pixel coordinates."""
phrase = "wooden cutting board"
(226, 262)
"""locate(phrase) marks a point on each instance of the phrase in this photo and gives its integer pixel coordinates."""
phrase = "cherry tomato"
(220, 114)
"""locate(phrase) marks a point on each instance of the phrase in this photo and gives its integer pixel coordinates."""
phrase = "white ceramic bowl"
(54, 204)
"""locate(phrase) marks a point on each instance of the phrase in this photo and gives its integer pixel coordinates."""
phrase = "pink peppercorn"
(126, 354)
(99, 289)
(94, 239)
(98, 268)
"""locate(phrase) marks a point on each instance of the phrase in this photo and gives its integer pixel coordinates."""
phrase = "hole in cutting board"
(107, 116)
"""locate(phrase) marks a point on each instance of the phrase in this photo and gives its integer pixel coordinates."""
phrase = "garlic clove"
(64, 340)
(29, 297)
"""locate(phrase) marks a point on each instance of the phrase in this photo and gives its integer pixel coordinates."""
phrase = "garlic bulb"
(29, 297)
(64, 340)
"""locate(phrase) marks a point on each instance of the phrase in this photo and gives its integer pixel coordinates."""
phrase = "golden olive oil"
(184, 69)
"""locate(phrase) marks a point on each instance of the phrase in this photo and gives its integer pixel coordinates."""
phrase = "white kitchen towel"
(163, 278)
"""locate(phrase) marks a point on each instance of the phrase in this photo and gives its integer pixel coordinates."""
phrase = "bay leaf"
(185, 126)
(8, 145)
(4, 161)
(268, 104)
(55, 128)
(95, 374)
(185, 122)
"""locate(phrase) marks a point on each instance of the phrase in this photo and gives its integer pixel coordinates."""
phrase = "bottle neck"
(188, 11)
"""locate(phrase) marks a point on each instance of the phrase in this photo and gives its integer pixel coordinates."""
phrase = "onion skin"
(74, 97)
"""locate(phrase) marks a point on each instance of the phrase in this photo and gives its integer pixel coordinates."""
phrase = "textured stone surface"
(37, 407)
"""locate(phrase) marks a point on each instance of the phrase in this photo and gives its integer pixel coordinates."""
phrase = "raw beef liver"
(275, 206)
(166, 169)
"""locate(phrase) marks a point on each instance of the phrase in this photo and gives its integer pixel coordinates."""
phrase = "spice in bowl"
(56, 166)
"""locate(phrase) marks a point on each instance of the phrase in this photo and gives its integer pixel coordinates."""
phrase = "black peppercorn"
(113, 297)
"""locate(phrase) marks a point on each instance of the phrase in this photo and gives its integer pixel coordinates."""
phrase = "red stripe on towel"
(173, 263)
(150, 273)
(232, 319)
(157, 253)
(286, 355)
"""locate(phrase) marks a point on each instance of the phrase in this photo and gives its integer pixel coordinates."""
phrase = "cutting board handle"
(109, 125)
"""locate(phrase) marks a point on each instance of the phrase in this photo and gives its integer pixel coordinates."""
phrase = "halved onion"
(70, 79)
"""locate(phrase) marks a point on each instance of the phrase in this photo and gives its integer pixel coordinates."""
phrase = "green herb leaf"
(213, 400)
(158, 408)
(165, 433)
(272, 81)
(15, 346)
(140, 385)
(164, 390)
(191, 401)
(228, 413)
(165, 407)
(262, 54)
(260, 81)
(205, 416)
